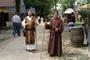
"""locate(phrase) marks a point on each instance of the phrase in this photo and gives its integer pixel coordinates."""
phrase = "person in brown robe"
(55, 41)
(29, 24)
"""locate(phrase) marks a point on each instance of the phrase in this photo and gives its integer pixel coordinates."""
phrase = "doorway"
(4, 17)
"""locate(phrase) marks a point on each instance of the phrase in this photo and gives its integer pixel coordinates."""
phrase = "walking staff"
(42, 42)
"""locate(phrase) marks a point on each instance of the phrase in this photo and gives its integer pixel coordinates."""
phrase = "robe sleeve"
(37, 22)
(48, 25)
(61, 27)
(23, 23)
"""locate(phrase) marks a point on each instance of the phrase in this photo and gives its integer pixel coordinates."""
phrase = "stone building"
(7, 9)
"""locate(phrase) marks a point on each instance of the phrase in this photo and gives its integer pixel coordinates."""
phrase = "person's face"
(29, 13)
(55, 15)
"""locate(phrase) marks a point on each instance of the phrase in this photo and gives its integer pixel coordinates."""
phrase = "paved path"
(14, 49)
(4, 34)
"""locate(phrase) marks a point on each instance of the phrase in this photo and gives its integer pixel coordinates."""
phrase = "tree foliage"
(67, 4)
(17, 5)
(88, 1)
(42, 6)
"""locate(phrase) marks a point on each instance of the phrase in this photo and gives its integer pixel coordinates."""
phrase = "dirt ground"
(14, 48)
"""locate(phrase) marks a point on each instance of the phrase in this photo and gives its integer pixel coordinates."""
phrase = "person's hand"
(45, 23)
(26, 23)
(56, 29)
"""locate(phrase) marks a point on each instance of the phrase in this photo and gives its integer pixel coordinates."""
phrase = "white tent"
(22, 7)
(69, 11)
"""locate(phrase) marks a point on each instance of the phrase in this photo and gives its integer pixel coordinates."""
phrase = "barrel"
(77, 37)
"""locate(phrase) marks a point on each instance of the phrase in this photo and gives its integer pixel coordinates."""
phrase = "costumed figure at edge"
(29, 23)
(55, 40)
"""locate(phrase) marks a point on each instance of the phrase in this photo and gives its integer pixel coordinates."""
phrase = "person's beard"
(29, 15)
(55, 17)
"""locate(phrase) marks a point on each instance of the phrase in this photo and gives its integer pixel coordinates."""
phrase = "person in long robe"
(29, 24)
(55, 41)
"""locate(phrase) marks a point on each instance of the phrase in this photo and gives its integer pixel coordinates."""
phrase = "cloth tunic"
(30, 34)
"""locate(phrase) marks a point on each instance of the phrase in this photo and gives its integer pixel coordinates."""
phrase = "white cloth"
(38, 17)
(16, 18)
(23, 22)
(29, 18)
(27, 47)
(70, 23)
(31, 47)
